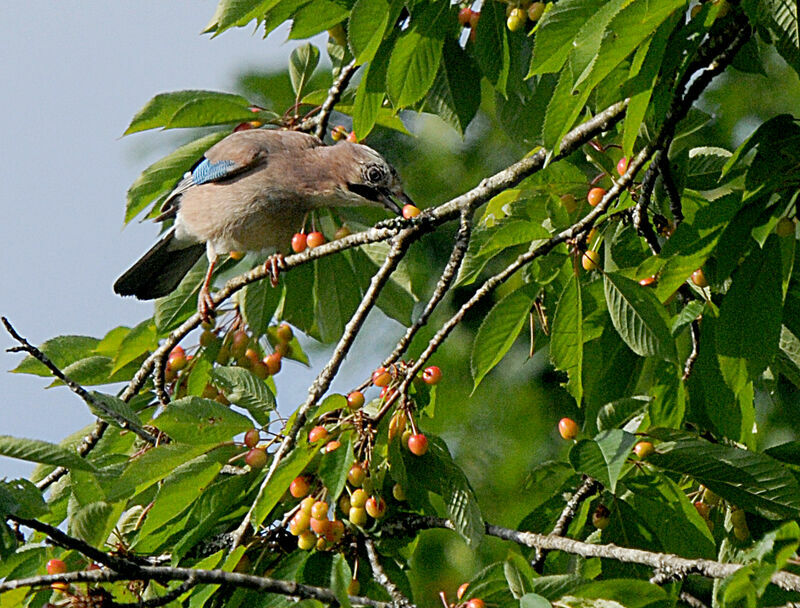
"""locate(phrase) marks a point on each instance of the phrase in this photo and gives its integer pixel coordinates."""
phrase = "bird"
(252, 191)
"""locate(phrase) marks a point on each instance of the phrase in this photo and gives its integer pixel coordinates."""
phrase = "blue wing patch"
(207, 171)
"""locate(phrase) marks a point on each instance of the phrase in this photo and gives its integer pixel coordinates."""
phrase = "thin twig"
(681, 566)
(323, 379)
(675, 207)
(398, 598)
(692, 358)
(319, 122)
(588, 487)
(89, 399)
(163, 600)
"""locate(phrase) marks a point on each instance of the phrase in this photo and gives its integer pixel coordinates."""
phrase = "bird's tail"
(159, 271)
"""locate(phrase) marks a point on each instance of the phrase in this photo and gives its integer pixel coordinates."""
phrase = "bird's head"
(367, 179)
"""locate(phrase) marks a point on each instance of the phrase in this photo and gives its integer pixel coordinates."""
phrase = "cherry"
(353, 587)
(260, 369)
(338, 133)
(388, 393)
(418, 444)
(784, 227)
(462, 590)
(251, 438)
(410, 211)
(590, 260)
(357, 516)
(239, 344)
(380, 377)
(398, 492)
(476, 602)
(208, 338)
(358, 499)
(432, 375)
(284, 333)
(242, 126)
(699, 279)
(464, 15)
(473, 19)
(318, 433)
(256, 458)
(569, 202)
(647, 281)
(177, 359)
(299, 487)
(643, 449)
(335, 531)
(273, 363)
(307, 503)
(306, 541)
(352, 138)
(299, 242)
(356, 475)
(56, 566)
(516, 19)
(342, 232)
(595, 196)
(568, 428)
(299, 523)
(622, 166)
(376, 507)
(332, 446)
(601, 517)
(355, 400)
(535, 11)
(702, 508)
(315, 239)
(319, 510)
(344, 503)
(253, 355)
(320, 526)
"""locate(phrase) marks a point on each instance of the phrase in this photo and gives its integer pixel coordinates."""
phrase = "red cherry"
(699, 279)
(352, 138)
(647, 281)
(319, 510)
(320, 526)
(380, 377)
(432, 375)
(315, 239)
(339, 133)
(464, 15)
(643, 449)
(318, 433)
(177, 360)
(476, 602)
(568, 428)
(332, 446)
(702, 508)
(251, 438)
(473, 19)
(622, 165)
(355, 400)
(335, 531)
(273, 363)
(418, 444)
(376, 507)
(299, 487)
(410, 211)
(299, 242)
(462, 590)
(595, 196)
(56, 566)
(356, 475)
(284, 333)
(256, 458)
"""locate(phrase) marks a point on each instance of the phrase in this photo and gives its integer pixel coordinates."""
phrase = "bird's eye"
(375, 174)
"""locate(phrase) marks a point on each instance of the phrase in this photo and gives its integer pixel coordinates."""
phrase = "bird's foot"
(205, 305)
(274, 265)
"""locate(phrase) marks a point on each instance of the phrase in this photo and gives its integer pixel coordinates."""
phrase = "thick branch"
(399, 600)
(665, 562)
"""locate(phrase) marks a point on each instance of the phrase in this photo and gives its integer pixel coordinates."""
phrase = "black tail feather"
(159, 271)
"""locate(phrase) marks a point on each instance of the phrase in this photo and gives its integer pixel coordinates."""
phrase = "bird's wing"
(235, 154)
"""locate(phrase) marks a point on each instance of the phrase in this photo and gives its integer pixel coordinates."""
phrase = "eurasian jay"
(251, 192)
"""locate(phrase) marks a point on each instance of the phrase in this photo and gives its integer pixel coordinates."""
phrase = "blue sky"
(74, 73)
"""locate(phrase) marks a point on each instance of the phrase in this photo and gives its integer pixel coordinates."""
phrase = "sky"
(74, 74)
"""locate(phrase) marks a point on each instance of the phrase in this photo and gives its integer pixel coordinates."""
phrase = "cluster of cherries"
(474, 602)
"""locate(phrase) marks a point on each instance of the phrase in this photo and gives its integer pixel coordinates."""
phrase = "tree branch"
(320, 122)
(398, 599)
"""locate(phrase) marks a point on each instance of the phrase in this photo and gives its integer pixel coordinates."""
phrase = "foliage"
(640, 349)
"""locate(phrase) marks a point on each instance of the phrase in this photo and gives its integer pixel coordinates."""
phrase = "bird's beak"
(385, 196)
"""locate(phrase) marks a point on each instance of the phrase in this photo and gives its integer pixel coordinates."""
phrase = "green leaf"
(749, 325)
(162, 176)
(492, 50)
(519, 575)
(705, 167)
(245, 389)
(34, 450)
(456, 93)
(638, 317)
(93, 523)
(96, 370)
(190, 109)
(416, 55)
(788, 359)
(259, 301)
(21, 498)
(499, 331)
(302, 63)
(198, 420)
(115, 410)
(61, 351)
(604, 456)
(367, 26)
(318, 15)
(371, 91)
(781, 18)
(139, 341)
(617, 413)
(334, 294)
(270, 493)
(333, 469)
(558, 28)
(668, 405)
(750, 480)
(630, 593)
(396, 300)
(174, 309)
(230, 13)
(533, 600)
(566, 338)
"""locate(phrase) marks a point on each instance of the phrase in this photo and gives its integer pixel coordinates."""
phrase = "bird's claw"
(205, 305)
(274, 264)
